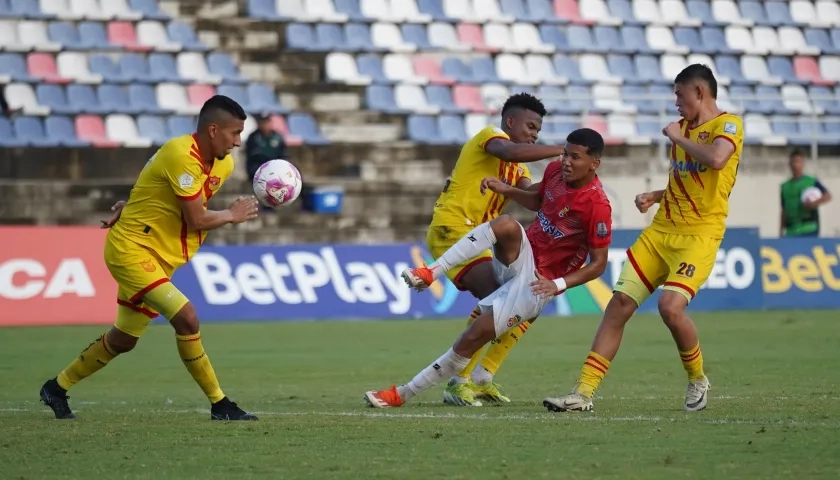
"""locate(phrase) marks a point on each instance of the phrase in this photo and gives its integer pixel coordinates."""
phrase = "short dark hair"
(697, 71)
(220, 104)
(586, 137)
(796, 153)
(525, 101)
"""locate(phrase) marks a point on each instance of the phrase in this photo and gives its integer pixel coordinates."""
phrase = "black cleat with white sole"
(55, 397)
(224, 409)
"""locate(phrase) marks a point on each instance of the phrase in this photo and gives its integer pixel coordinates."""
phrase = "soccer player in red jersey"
(573, 221)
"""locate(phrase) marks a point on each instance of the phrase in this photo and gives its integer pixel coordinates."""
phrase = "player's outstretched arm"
(528, 198)
(508, 151)
(198, 218)
(596, 267)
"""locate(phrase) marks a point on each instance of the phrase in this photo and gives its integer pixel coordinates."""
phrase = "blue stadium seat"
(380, 98)
(649, 70)
(552, 96)
(555, 35)
(352, 9)
(577, 100)
(331, 37)
(517, 88)
(103, 65)
(639, 96)
(819, 37)
(755, 11)
(221, 64)
(543, 11)
(53, 96)
(185, 35)
(263, 99)
(772, 97)
(263, 10)
(135, 67)
(484, 70)
(6, 11)
(60, 129)
(623, 10)
(783, 67)
(778, 13)
(730, 67)
(831, 128)
(746, 92)
(423, 129)
(301, 37)
(714, 38)
(622, 66)
(441, 97)
(153, 128)
(359, 39)
(666, 92)
(180, 125)
(568, 67)
(517, 10)
(31, 131)
(452, 129)
(454, 67)
(580, 40)
(83, 99)
(162, 68)
(371, 66)
(65, 33)
(304, 126)
(561, 129)
(143, 99)
(433, 8)
(92, 36)
(690, 38)
(7, 135)
(13, 65)
(115, 99)
(609, 39)
(149, 9)
(28, 9)
(788, 127)
(811, 127)
(823, 97)
(417, 35)
(702, 10)
(634, 37)
(649, 126)
(238, 94)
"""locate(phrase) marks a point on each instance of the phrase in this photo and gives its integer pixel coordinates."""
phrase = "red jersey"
(569, 223)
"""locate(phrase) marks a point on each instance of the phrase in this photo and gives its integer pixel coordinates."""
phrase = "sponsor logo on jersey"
(547, 227)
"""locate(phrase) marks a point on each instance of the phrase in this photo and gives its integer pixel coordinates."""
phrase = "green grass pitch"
(774, 410)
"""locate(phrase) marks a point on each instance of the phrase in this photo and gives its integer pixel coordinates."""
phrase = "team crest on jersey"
(214, 182)
(513, 320)
(703, 137)
(148, 265)
(562, 213)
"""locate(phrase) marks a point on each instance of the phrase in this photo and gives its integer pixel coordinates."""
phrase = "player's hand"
(244, 209)
(672, 131)
(494, 185)
(810, 204)
(543, 287)
(117, 209)
(644, 201)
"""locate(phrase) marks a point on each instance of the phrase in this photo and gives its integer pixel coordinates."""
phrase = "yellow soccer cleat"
(460, 395)
(489, 391)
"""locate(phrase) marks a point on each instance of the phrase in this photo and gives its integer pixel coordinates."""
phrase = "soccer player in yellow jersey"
(677, 251)
(159, 229)
(498, 152)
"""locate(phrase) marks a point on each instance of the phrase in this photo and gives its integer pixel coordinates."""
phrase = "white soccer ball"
(811, 194)
(277, 183)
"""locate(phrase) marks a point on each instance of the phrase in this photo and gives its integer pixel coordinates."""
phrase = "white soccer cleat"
(697, 394)
(573, 402)
(418, 278)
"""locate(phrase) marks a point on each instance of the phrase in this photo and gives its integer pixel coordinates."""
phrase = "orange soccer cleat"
(384, 398)
(418, 278)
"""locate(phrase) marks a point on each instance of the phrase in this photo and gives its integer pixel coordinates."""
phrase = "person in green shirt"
(263, 144)
(800, 219)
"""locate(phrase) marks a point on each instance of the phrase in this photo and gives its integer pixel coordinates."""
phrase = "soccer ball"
(277, 183)
(811, 194)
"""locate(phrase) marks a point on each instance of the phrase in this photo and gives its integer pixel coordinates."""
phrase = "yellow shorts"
(680, 263)
(144, 287)
(440, 238)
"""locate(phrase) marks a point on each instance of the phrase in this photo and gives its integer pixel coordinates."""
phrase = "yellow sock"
(499, 349)
(465, 373)
(594, 370)
(197, 363)
(692, 361)
(90, 361)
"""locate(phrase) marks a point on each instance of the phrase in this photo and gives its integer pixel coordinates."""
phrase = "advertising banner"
(801, 272)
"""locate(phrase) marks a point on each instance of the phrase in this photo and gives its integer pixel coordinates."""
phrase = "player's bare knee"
(505, 228)
(119, 341)
(481, 331)
(672, 307)
(620, 308)
(185, 322)
(480, 281)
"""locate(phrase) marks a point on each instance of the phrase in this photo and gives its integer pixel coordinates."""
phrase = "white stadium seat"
(727, 11)
(60, 8)
(293, 9)
(380, 10)
(528, 38)
(497, 35)
(758, 126)
(34, 35)
(413, 98)
(397, 67)
(119, 10)
(153, 34)
(596, 11)
(608, 97)
(475, 122)
(725, 104)
(795, 97)
(341, 67)
(121, 128)
(623, 126)
(594, 67)
(192, 66)
(792, 37)
(494, 95)
(830, 67)
(21, 96)
(707, 60)
(9, 39)
(647, 11)
(829, 11)
(675, 13)
(755, 68)
(804, 11)
(489, 11)
(661, 38)
(324, 10)
(766, 39)
(410, 11)
(444, 36)
(740, 39)
(461, 10)
(171, 96)
(74, 65)
(541, 68)
(388, 35)
(89, 9)
(511, 68)
(672, 65)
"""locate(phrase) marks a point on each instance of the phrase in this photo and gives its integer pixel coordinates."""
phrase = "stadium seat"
(772, 97)
(754, 11)
(608, 97)
(829, 11)
(304, 126)
(830, 67)
(380, 98)
(7, 135)
(494, 95)
(238, 94)
(293, 9)
(191, 66)
(180, 125)
(197, 94)
(570, 69)
(135, 68)
(516, 10)
(423, 129)
(410, 11)
(730, 67)
(124, 36)
(782, 67)
(149, 9)
(623, 10)
(740, 39)
(649, 69)
(94, 37)
(691, 39)
(823, 97)
(623, 127)
(83, 98)
(88, 9)
(60, 130)
(66, 35)
(511, 69)
(795, 97)
(647, 11)
(413, 98)
(789, 129)
(484, 70)
(490, 11)
(580, 40)
(54, 8)
(153, 128)
(142, 99)
(324, 11)
(263, 99)
(163, 68)
(804, 12)
(474, 123)
(371, 66)
(452, 130)
(42, 66)
(622, 66)
(279, 124)
(330, 37)
(21, 97)
(597, 12)
(818, 37)
(8, 38)
(599, 124)
(556, 37)
(594, 68)
(767, 40)
(726, 11)
(634, 37)
(120, 10)
(473, 36)
(184, 34)
(639, 97)
(434, 9)
(74, 65)
(760, 132)
(54, 98)
(498, 38)
(707, 60)
(755, 68)
(460, 10)
(398, 69)
(416, 35)
(456, 68)
(28, 9)
(716, 39)
(469, 97)
(672, 65)
(221, 64)
(542, 70)
(779, 13)
(426, 66)
(792, 37)
(152, 34)
(665, 94)
(441, 97)
(172, 96)
(608, 39)
(341, 67)
(301, 37)
(808, 70)
(725, 102)
(33, 35)
(380, 10)
(674, 12)
(263, 10)
(389, 37)
(661, 39)
(31, 131)
(121, 128)
(114, 98)
(569, 11)
(358, 38)
(528, 39)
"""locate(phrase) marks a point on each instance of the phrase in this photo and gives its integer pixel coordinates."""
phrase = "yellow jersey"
(461, 202)
(696, 201)
(152, 216)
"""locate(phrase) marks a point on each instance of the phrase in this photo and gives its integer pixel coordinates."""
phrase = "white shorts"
(513, 302)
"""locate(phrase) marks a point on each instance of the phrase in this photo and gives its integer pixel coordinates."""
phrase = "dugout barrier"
(56, 276)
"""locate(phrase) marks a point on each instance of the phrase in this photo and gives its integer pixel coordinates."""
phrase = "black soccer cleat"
(224, 409)
(55, 397)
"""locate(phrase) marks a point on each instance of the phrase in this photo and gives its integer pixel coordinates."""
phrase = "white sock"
(479, 239)
(444, 367)
(481, 376)
(458, 379)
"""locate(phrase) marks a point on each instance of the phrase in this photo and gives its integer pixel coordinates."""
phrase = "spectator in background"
(800, 219)
(263, 144)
